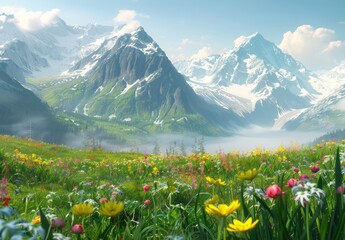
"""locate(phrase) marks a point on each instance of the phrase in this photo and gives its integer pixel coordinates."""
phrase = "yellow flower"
(111, 208)
(36, 220)
(212, 200)
(215, 182)
(222, 210)
(239, 226)
(82, 209)
(249, 175)
(155, 171)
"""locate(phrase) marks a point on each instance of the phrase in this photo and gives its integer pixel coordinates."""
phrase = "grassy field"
(54, 192)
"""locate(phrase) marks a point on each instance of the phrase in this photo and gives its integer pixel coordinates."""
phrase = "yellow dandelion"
(82, 209)
(249, 175)
(215, 182)
(111, 208)
(239, 226)
(222, 210)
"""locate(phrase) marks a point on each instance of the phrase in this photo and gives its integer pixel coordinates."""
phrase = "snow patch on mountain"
(340, 105)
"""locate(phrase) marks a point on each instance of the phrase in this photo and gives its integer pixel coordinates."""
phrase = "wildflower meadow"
(54, 192)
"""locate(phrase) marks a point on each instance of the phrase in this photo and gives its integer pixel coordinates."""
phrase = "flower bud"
(78, 229)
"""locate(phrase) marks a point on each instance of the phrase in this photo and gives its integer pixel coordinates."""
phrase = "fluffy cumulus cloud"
(202, 53)
(128, 18)
(31, 20)
(125, 16)
(316, 48)
(129, 27)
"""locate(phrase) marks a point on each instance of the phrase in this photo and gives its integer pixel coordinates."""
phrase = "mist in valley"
(243, 140)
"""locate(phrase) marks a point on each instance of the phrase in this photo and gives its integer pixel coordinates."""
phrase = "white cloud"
(202, 53)
(316, 48)
(125, 16)
(31, 20)
(129, 27)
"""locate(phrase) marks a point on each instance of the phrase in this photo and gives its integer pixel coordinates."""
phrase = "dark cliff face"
(144, 84)
(23, 114)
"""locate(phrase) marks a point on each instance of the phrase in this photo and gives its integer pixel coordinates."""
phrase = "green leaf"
(46, 225)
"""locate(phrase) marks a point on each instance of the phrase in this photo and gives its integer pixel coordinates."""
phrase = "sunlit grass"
(293, 192)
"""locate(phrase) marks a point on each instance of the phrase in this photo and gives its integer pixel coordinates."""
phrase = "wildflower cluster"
(260, 194)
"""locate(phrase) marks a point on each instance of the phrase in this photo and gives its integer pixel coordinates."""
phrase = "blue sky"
(183, 27)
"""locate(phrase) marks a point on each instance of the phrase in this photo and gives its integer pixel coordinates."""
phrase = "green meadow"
(55, 192)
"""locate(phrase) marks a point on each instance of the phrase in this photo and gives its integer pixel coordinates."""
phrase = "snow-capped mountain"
(332, 79)
(47, 51)
(258, 81)
(329, 113)
(197, 68)
(123, 75)
(130, 79)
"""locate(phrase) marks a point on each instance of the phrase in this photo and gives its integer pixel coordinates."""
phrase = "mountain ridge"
(121, 74)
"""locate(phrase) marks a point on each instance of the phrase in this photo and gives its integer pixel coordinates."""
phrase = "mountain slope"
(50, 50)
(329, 113)
(130, 79)
(258, 81)
(23, 114)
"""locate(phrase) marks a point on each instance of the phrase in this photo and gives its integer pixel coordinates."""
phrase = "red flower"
(146, 188)
(6, 201)
(273, 191)
(292, 182)
(315, 169)
(78, 229)
(303, 176)
(147, 202)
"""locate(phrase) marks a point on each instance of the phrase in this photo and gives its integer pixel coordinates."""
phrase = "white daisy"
(303, 197)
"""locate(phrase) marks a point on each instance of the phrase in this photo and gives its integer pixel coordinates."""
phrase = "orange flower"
(36, 220)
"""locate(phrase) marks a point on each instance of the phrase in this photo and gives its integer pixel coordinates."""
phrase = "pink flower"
(296, 170)
(273, 191)
(147, 202)
(303, 176)
(78, 229)
(292, 182)
(102, 200)
(315, 169)
(58, 223)
(146, 188)
(341, 189)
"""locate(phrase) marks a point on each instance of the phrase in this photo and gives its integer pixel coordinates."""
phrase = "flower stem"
(221, 228)
(307, 221)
